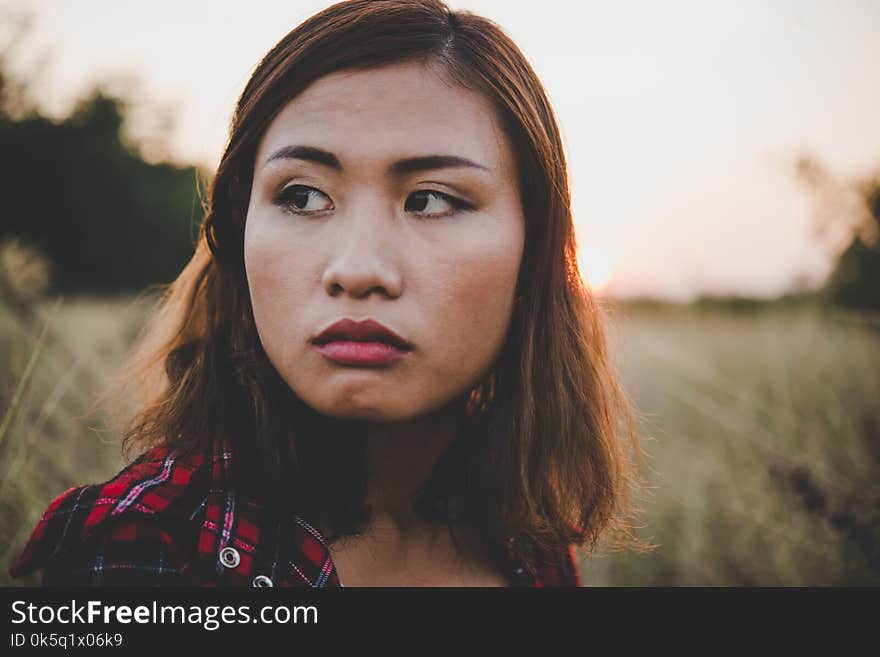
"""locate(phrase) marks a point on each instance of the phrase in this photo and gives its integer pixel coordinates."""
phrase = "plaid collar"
(236, 520)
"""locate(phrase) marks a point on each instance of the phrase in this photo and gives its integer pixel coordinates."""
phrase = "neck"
(400, 457)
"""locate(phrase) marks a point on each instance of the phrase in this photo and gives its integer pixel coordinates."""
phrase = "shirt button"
(261, 581)
(229, 557)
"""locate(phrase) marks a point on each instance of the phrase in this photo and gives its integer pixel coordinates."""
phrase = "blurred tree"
(107, 220)
(855, 281)
(848, 217)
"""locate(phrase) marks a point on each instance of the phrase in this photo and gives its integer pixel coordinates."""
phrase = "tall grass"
(55, 357)
(762, 433)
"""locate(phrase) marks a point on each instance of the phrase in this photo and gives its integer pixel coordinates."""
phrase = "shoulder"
(558, 569)
(126, 530)
(545, 568)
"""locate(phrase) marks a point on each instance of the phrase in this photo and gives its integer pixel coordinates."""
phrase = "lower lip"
(361, 353)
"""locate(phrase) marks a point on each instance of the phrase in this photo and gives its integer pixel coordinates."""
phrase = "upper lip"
(367, 330)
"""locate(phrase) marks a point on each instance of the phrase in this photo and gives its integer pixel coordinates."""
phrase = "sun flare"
(596, 267)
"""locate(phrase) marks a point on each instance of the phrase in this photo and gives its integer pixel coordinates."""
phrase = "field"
(760, 425)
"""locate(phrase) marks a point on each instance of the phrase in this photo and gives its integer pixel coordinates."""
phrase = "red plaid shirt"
(175, 520)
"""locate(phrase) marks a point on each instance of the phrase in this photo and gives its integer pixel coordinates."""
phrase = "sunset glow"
(596, 267)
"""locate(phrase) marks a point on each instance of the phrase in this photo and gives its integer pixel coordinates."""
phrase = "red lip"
(368, 330)
(368, 342)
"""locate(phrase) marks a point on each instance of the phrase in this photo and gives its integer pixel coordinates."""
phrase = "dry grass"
(53, 363)
(762, 433)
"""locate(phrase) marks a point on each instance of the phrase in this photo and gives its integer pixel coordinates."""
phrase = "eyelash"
(283, 200)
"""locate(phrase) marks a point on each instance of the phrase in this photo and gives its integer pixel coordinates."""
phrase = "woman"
(381, 366)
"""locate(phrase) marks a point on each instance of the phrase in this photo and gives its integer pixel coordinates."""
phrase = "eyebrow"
(398, 168)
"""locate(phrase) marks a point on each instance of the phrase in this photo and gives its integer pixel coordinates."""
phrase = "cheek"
(472, 300)
(276, 273)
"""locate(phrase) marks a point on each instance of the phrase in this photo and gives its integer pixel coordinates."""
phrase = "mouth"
(368, 331)
(349, 342)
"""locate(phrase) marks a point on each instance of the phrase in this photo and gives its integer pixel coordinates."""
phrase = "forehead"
(388, 113)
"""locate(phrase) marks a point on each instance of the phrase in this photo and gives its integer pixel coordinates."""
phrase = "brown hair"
(547, 457)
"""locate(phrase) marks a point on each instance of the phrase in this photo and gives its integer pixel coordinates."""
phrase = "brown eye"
(433, 203)
(297, 199)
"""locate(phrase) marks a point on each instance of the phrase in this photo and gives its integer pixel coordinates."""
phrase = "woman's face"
(403, 209)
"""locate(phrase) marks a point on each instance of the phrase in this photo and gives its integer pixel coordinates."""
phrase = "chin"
(364, 412)
(364, 404)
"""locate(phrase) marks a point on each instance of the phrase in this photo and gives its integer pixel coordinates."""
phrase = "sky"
(682, 121)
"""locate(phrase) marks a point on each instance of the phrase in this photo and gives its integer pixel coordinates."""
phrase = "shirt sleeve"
(133, 551)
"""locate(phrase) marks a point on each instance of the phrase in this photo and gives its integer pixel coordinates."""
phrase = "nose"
(362, 259)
